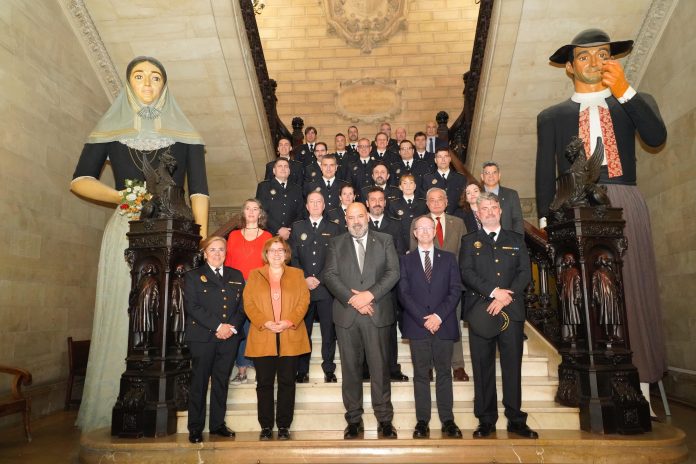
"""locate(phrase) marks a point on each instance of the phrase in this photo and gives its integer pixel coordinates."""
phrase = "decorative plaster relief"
(87, 33)
(651, 30)
(364, 23)
(368, 100)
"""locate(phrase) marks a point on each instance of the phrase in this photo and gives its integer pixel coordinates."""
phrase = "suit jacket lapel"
(210, 274)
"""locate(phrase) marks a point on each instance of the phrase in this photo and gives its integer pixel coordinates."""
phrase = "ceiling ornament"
(365, 23)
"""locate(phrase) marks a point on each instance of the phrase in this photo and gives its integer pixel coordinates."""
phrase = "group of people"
(374, 236)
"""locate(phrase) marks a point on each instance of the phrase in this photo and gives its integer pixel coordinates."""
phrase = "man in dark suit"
(408, 207)
(296, 168)
(338, 215)
(433, 143)
(421, 152)
(380, 178)
(213, 299)
(408, 165)
(449, 231)
(361, 269)
(309, 242)
(380, 222)
(312, 169)
(445, 178)
(281, 199)
(510, 206)
(305, 152)
(353, 137)
(361, 168)
(429, 291)
(327, 184)
(495, 267)
(382, 151)
(344, 157)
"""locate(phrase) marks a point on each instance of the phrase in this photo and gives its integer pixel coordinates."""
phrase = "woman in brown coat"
(276, 299)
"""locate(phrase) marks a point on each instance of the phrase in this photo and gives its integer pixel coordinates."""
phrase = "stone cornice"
(651, 30)
(89, 37)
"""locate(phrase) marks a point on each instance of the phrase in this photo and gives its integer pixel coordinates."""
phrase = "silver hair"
(484, 196)
(435, 189)
(490, 163)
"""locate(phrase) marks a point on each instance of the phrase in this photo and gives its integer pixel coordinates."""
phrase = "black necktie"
(311, 147)
(409, 202)
(218, 273)
(283, 185)
(314, 226)
(428, 267)
(492, 235)
(376, 224)
(328, 184)
(408, 165)
(365, 163)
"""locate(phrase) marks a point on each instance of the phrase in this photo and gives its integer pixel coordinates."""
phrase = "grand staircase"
(319, 407)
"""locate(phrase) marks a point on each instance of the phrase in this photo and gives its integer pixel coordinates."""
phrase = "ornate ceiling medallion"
(364, 23)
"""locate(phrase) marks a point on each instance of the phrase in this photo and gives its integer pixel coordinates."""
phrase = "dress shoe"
(460, 375)
(422, 430)
(353, 431)
(330, 377)
(283, 433)
(266, 434)
(223, 431)
(302, 378)
(483, 430)
(386, 430)
(450, 429)
(195, 437)
(398, 377)
(522, 430)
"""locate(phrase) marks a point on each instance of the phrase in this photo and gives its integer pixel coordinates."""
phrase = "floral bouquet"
(132, 199)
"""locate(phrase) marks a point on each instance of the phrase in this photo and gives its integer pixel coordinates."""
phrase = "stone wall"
(668, 180)
(50, 98)
(405, 79)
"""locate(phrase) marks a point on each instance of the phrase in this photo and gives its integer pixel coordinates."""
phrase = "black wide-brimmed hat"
(590, 38)
(483, 324)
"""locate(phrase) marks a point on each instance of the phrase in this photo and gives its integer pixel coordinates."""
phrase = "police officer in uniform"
(281, 199)
(296, 168)
(327, 184)
(213, 299)
(338, 215)
(309, 241)
(408, 165)
(495, 267)
(445, 178)
(380, 178)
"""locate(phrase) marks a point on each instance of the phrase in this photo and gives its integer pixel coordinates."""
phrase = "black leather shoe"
(522, 430)
(450, 429)
(386, 430)
(398, 377)
(483, 430)
(283, 433)
(223, 431)
(330, 377)
(302, 378)
(266, 434)
(422, 430)
(353, 431)
(195, 437)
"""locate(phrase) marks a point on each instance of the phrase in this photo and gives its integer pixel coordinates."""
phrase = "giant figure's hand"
(199, 205)
(613, 77)
(91, 188)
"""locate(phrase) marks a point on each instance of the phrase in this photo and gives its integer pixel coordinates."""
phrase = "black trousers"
(510, 344)
(268, 368)
(328, 336)
(210, 361)
(426, 353)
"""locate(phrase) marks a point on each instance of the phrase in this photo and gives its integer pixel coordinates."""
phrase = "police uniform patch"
(336, 221)
(434, 181)
(400, 212)
(477, 244)
(204, 278)
(303, 152)
(303, 236)
(398, 171)
(318, 189)
(273, 192)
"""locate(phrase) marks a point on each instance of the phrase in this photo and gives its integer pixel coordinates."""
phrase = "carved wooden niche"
(364, 23)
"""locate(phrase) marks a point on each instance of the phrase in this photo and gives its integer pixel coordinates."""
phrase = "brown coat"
(294, 303)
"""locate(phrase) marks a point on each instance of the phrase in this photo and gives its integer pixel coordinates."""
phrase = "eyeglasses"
(215, 250)
(424, 228)
(277, 251)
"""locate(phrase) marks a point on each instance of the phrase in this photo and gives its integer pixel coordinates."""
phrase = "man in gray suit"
(448, 236)
(361, 269)
(511, 218)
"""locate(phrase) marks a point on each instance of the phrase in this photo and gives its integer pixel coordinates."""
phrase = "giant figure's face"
(586, 67)
(147, 82)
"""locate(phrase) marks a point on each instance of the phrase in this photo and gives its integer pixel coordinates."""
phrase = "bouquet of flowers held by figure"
(132, 198)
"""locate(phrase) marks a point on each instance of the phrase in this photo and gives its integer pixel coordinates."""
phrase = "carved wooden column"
(297, 134)
(596, 373)
(158, 366)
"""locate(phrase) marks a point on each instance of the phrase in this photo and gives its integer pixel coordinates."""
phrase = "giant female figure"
(143, 122)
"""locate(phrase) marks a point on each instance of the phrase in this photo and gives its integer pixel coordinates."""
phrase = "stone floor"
(56, 440)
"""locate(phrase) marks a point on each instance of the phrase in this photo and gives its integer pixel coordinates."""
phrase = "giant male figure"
(605, 105)
(361, 269)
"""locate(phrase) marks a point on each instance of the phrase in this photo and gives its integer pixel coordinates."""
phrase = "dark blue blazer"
(419, 298)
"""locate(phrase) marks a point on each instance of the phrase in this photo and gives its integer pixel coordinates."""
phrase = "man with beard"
(380, 177)
(361, 269)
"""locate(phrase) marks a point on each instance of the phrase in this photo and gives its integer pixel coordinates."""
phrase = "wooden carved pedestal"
(158, 366)
(596, 373)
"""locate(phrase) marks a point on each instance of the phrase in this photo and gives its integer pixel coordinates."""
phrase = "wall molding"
(654, 23)
(88, 36)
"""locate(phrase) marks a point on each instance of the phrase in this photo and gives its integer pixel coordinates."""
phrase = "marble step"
(533, 388)
(319, 416)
